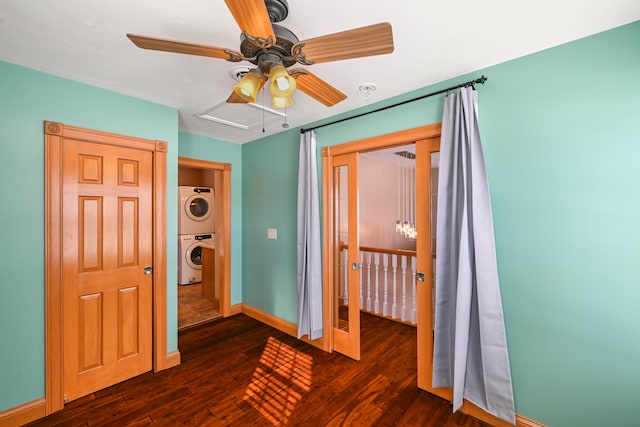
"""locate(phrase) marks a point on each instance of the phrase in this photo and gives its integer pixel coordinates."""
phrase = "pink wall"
(378, 204)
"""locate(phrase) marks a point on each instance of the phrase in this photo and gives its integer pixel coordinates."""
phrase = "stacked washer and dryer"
(195, 229)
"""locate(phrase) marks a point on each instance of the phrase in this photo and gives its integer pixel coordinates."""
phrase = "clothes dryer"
(196, 210)
(190, 261)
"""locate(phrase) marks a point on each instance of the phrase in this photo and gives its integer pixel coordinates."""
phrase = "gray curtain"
(309, 243)
(470, 344)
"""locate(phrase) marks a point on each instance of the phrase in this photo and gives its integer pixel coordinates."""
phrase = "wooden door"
(346, 255)
(426, 191)
(107, 243)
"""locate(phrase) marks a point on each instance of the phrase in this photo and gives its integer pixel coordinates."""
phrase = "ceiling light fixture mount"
(367, 88)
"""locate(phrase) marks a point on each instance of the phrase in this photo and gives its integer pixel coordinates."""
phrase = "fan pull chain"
(263, 109)
(285, 124)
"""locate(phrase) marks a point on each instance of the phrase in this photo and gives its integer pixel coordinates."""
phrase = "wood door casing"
(56, 136)
(221, 175)
(107, 242)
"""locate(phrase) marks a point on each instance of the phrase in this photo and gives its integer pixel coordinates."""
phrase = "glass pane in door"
(433, 211)
(341, 237)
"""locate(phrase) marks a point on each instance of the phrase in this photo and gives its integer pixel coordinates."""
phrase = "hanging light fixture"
(270, 67)
(247, 88)
(406, 223)
(277, 102)
(282, 84)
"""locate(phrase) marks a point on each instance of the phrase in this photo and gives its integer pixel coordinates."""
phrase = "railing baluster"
(385, 295)
(394, 269)
(369, 281)
(404, 288)
(376, 303)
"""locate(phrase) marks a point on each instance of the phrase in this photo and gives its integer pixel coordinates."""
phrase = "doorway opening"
(372, 263)
(387, 226)
(207, 297)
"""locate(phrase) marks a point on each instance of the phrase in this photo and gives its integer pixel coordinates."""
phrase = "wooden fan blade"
(317, 88)
(252, 18)
(234, 98)
(372, 40)
(186, 48)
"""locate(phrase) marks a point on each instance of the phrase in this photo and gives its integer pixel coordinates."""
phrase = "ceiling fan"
(273, 48)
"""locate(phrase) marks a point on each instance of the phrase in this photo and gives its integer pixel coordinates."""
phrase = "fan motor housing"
(285, 39)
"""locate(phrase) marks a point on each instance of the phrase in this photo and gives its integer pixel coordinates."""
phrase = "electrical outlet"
(272, 233)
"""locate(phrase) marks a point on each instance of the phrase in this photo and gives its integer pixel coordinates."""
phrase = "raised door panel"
(90, 229)
(128, 230)
(90, 332)
(128, 322)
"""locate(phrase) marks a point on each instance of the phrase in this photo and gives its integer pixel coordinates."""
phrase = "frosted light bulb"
(283, 83)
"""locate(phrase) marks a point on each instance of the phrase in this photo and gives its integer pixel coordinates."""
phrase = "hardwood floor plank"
(142, 405)
(240, 372)
(361, 406)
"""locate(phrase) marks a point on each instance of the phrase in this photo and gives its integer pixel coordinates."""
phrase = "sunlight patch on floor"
(282, 377)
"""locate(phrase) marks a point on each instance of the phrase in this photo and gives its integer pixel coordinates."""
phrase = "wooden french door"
(340, 231)
(107, 241)
(346, 255)
(427, 151)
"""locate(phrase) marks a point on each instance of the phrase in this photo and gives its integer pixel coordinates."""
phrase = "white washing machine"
(196, 210)
(190, 253)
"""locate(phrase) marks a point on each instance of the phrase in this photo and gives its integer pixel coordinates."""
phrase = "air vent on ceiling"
(244, 116)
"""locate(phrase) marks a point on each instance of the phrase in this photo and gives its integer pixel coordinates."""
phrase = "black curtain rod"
(480, 80)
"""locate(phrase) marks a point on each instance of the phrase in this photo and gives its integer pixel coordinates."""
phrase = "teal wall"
(27, 99)
(563, 149)
(200, 147)
(269, 201)
(561, 133)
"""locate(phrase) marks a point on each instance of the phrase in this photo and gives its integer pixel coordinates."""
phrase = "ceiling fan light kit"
(247, 88)
(273, 48)
(282, 84)
(277, 102)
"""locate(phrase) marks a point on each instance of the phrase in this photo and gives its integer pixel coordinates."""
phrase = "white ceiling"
(84, 40)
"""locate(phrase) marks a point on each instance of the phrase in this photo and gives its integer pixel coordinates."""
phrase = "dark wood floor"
(240, 372)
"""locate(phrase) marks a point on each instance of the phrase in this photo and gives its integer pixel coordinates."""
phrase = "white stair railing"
(387, 282)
